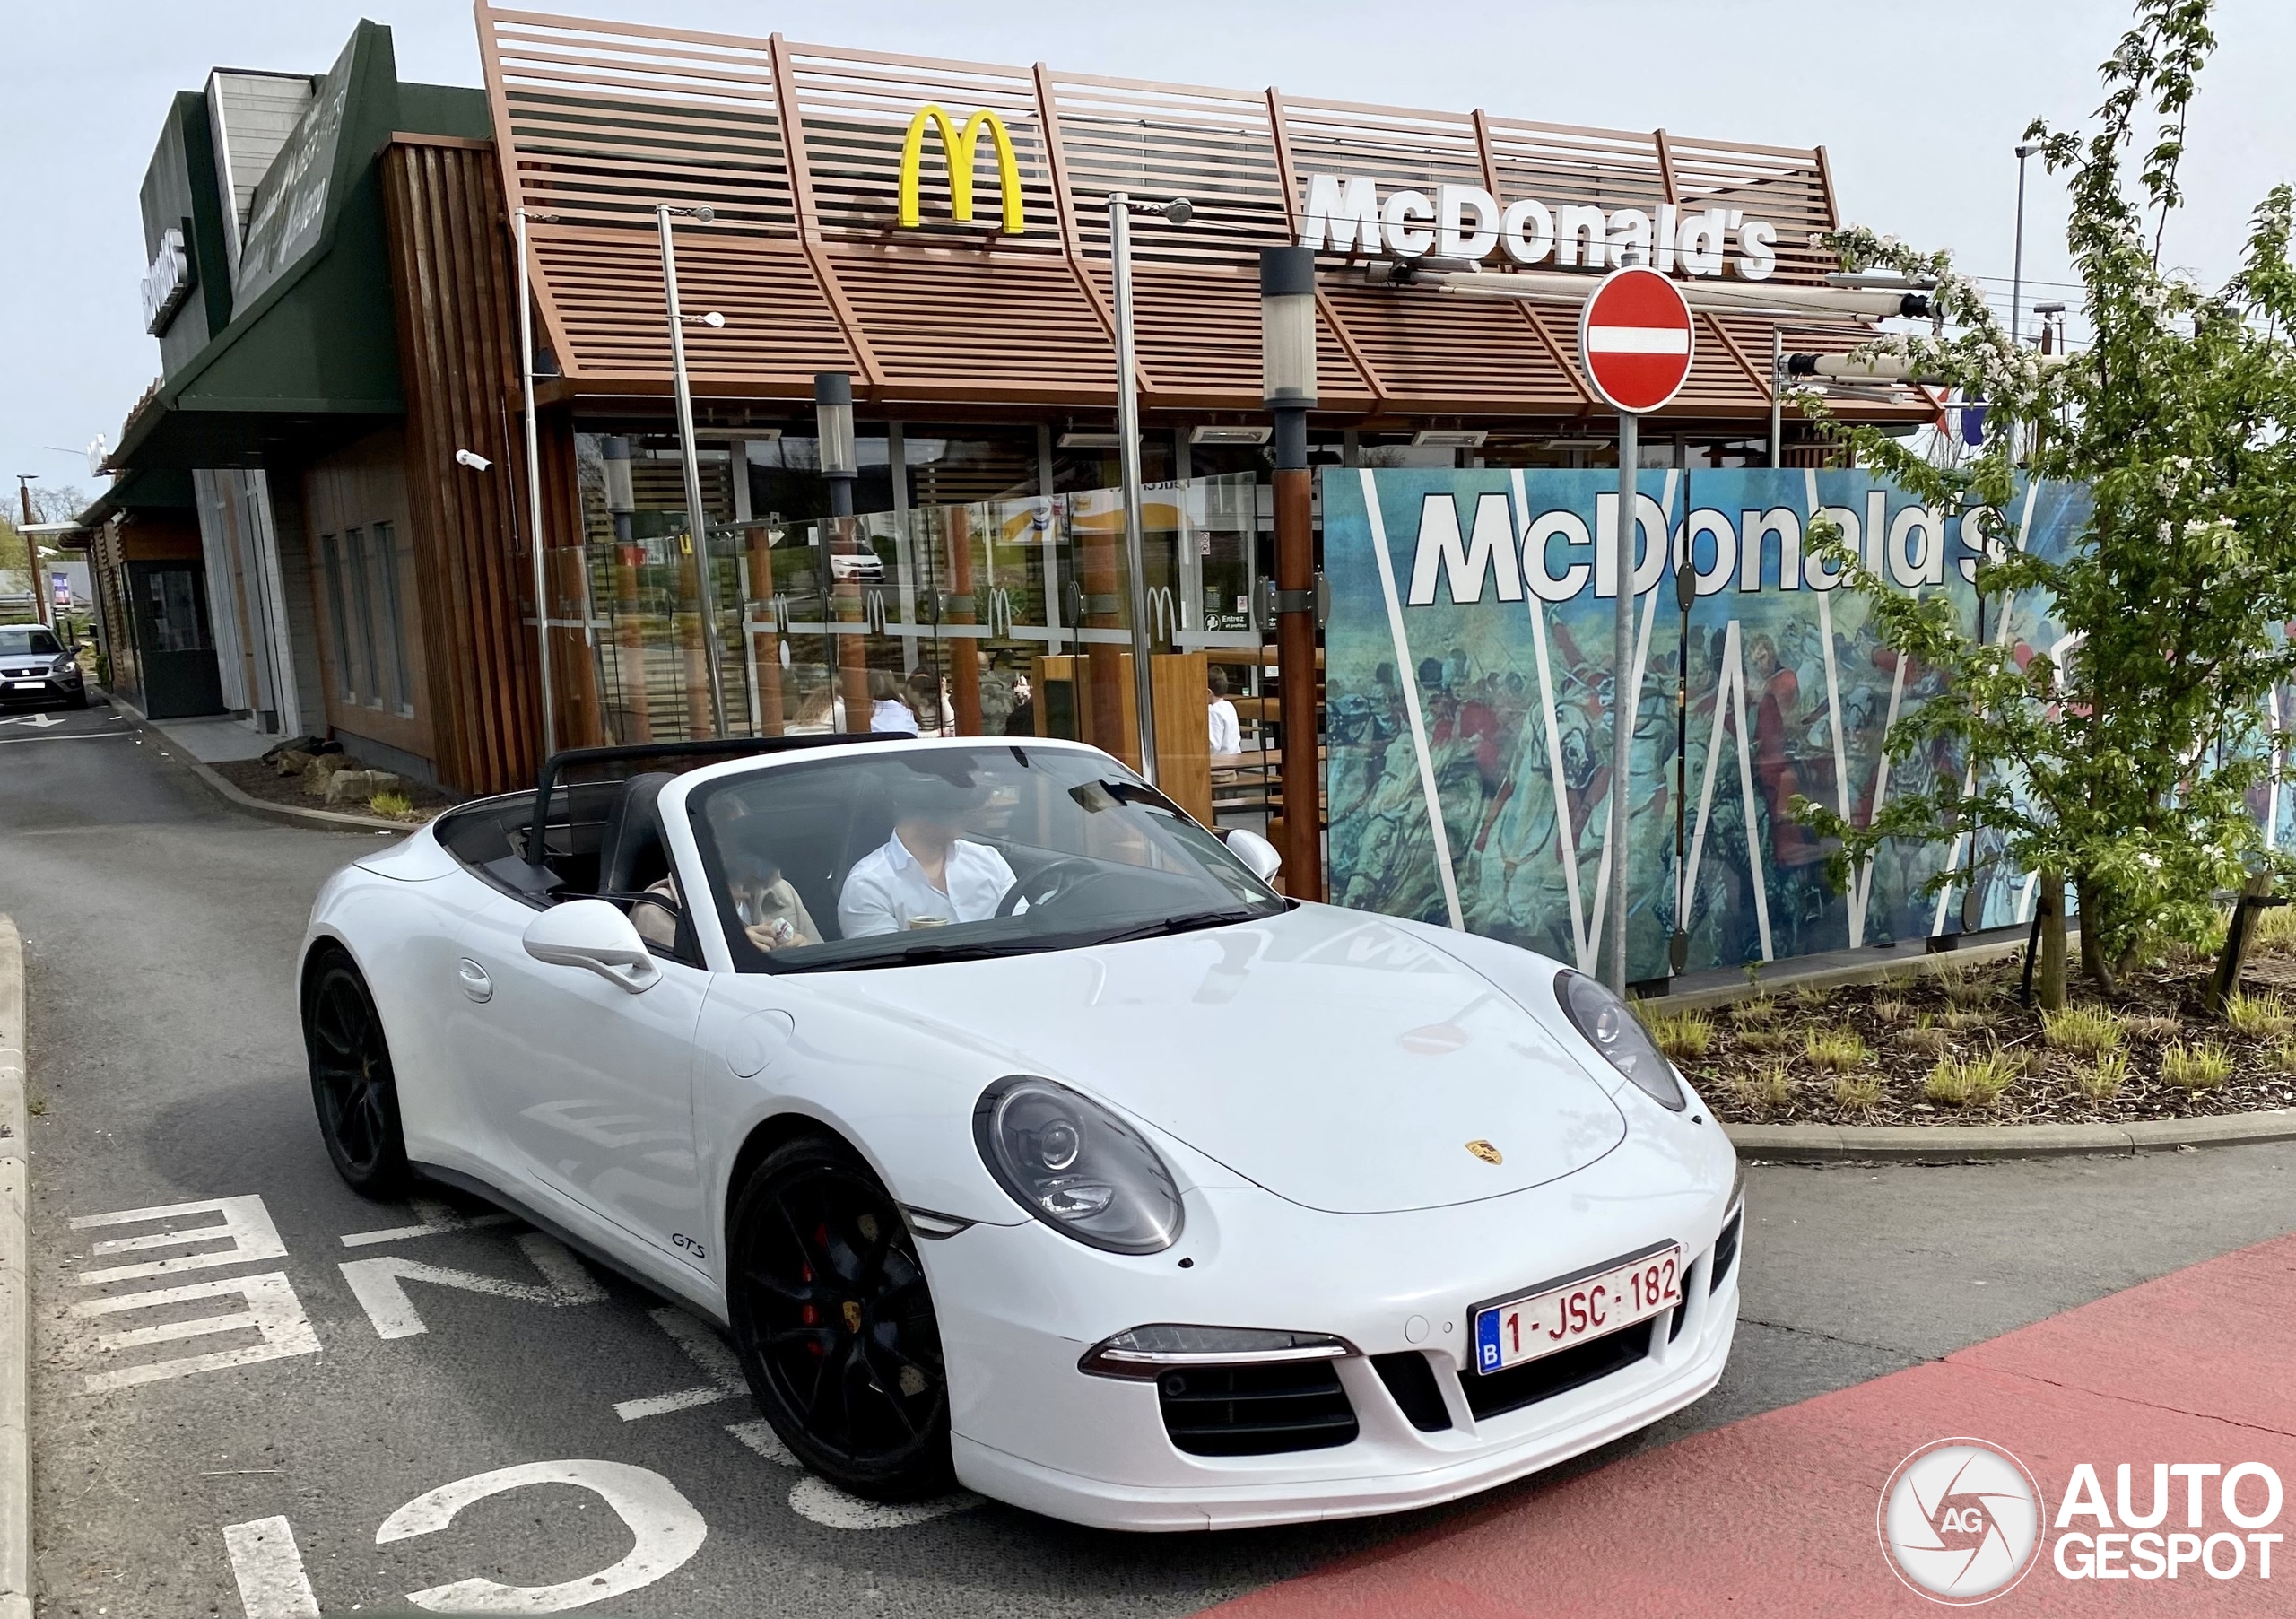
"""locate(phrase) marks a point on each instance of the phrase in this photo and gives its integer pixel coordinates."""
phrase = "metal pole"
(41, 613)
(534, 484)
(1776, 400)
(2017, 280)
(1127, 429)
(697, 519)
(1623, 698)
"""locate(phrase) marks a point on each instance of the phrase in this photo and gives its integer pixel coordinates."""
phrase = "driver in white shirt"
(925, 874)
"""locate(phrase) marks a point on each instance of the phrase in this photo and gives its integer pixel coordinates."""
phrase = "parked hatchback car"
(37, 667)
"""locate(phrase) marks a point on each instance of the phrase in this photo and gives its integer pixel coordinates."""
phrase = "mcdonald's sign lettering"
(957, 146)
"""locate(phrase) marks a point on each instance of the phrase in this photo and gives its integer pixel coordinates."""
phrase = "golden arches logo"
(957, 145)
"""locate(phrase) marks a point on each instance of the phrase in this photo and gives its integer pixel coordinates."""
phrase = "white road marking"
(73, 736)
(436, 1220)
(705, 1350)
(759, 1436)
(379, 1285)
(269, 1568)
(273, 1311)
(667, 1531)
(246, 1224)
(38, 722)
(817, 1500)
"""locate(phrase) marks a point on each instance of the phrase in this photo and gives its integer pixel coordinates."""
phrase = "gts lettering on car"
(679, 1239)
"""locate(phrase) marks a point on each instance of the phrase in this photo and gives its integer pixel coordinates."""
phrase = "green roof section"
(311, 347)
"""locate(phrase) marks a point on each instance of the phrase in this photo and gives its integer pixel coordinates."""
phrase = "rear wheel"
(352, 1087)
(835, 1324)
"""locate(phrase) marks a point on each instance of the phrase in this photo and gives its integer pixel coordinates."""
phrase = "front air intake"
(1264, 1410)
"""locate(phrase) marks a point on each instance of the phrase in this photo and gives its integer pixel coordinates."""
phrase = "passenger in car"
(773, 914)
(925, 874)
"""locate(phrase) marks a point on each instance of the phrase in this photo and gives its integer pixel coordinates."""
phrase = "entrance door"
(168, 608)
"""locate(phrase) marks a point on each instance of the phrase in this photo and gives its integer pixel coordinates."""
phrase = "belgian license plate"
(1541, 1323)
(27, 686)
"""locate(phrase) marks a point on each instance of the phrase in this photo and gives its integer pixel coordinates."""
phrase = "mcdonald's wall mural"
(1469, 665)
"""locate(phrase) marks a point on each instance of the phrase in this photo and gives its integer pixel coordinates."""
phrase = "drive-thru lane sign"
(1634, 336)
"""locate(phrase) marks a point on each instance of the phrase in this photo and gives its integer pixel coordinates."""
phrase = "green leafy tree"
(2125, 767)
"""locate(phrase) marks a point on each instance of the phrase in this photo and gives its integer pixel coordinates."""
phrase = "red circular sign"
(1634, 339)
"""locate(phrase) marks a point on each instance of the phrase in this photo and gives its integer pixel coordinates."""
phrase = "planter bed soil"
(1908, 1024)
(258, 779)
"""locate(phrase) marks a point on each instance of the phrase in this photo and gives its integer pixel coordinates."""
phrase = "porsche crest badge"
(1486, 1152)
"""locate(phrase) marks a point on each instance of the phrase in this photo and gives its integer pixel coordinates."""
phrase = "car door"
(584, 1086)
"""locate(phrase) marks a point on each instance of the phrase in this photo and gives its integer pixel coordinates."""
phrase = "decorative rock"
(356, 787)
(316, 773)
(291, 763)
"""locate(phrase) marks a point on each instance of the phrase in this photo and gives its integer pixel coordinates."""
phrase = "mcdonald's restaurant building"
(349, 396)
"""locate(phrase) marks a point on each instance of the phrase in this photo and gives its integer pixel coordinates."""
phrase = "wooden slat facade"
(796, 148)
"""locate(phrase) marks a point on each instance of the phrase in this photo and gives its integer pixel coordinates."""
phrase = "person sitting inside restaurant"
(1227, 735)
(926, 874)
(888, 709)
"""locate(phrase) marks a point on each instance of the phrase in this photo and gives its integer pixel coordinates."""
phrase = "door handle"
(475, 981)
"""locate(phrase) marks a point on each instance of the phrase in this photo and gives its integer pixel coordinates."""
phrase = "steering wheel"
(1049, 884)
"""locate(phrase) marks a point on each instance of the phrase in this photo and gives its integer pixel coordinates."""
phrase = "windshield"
(948, 854)
(21, 641)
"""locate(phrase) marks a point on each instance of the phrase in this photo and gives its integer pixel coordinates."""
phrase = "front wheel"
(352, 1083)
(835, 1325)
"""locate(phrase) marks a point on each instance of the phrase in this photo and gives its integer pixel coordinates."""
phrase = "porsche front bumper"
(1030, 1429)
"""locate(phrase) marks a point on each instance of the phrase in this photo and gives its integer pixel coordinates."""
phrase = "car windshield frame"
(31, 635)
(1200, 884)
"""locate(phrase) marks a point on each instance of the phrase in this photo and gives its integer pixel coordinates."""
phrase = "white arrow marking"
(379, 1284)
(37, 722)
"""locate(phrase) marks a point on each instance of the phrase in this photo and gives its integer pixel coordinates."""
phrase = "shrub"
(1681, 1035)
(1768, 1086)
(2200, 1067)
(1857, 1094)
(1834, 1049)
(2083, 1031)
(2257, 1016)
(2101, 1080)
(1969, 1081)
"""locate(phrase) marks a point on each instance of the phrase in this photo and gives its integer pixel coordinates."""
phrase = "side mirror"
(593, 933)
(1257, 854)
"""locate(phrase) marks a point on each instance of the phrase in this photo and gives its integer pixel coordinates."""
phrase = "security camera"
(471, 459)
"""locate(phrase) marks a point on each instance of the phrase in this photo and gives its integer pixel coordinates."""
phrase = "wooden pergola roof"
(796, 149)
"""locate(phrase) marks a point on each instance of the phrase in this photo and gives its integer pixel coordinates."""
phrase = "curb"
(15, 1290)
(288, 813)
(1862, 972)
(1964, 1144)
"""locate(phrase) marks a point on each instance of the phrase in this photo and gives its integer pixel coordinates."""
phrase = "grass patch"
(1755, 1013)
(1762, 1039)
(1809, 996)
(1834, 1050)
(2101, 1080)
(1966, 988)
(2259, 1016)
(2150, 1025)
(1970, 1082)
(2082, 1031)
(2274, 931)
(2197, 1067)
(1889, 1009)
(1856, 1092)
(1681, 1035)
(1924, 1036)
(1768, 1086)
(396, 805)
(1961, 1020)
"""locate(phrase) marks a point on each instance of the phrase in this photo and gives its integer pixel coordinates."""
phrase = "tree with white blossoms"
(2125, 769)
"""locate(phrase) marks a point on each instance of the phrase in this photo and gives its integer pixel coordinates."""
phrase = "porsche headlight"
(1076, 1166)
(1614, 1029)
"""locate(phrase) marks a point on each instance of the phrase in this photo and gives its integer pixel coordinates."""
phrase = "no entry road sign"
(1634, 337)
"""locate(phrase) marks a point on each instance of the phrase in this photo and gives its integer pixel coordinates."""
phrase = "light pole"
(1121, 208)
(2017, 272)
(696, 518)
(534, 484)
(1287, 293)
(840, 465)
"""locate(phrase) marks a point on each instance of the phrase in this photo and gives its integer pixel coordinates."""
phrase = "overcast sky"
(1919, 108)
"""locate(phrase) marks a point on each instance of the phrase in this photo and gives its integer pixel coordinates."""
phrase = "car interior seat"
(631, 856)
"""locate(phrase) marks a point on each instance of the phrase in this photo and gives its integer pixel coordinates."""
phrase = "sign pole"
(1623, 698)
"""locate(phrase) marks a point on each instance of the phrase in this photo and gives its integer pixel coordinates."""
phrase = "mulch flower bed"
(258, 779)
(1956, 1047)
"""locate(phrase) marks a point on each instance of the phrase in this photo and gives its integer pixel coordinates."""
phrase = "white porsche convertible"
(1025, 1138)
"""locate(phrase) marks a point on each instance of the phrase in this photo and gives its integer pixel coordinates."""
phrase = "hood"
(1326, 1055)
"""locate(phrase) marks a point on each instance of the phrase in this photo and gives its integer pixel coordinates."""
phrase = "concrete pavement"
(160, 931)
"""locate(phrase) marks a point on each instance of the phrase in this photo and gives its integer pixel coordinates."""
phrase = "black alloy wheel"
(352, 1083)
(835, 1325)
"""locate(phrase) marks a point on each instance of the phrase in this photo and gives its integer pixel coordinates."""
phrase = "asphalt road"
(161, 929)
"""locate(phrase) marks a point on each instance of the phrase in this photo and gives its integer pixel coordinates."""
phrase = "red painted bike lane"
(1776, 1516)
